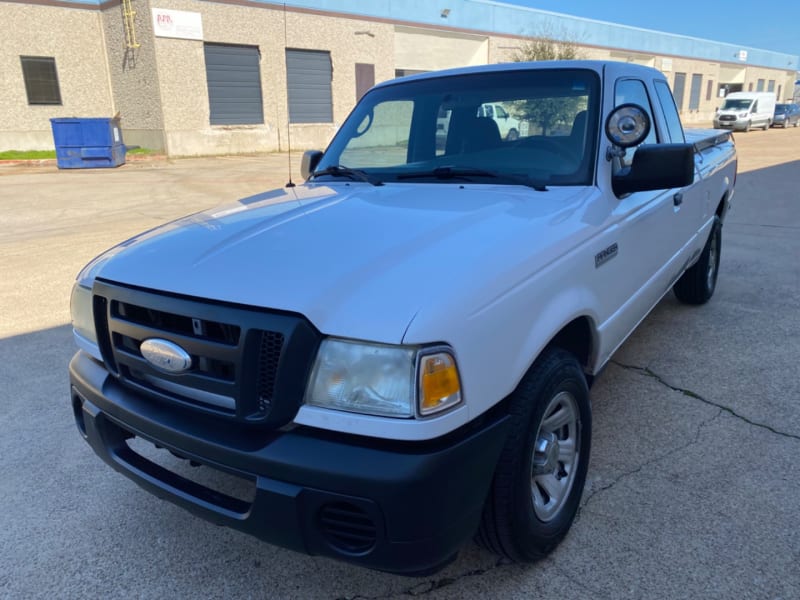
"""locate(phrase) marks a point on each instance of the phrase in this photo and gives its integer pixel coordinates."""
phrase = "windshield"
(737, 104)
(781, 109)
(501, 128)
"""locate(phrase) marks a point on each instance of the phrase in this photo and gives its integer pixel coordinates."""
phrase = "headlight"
(383, 380)
(80, 306)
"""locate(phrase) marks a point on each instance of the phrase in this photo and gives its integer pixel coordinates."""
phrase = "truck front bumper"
(395, 506)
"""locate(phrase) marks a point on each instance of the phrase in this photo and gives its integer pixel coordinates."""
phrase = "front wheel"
(539, 478)
(512, 135)
(697, 284)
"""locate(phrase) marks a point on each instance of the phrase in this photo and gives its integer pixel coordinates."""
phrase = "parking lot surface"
(694, 482)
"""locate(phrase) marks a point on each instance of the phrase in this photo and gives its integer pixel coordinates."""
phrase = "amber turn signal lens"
(439, 384)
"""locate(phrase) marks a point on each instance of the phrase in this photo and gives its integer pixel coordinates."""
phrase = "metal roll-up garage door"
(234, 84)
(308, 74)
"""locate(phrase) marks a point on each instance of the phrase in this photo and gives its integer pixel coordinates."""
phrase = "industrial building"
(194, 77)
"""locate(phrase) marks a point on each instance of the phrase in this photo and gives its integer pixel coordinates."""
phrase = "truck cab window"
(634, 90)
(674, 127)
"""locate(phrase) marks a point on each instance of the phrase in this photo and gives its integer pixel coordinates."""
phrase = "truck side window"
(674, 127)
(501, 112)
(634, 90)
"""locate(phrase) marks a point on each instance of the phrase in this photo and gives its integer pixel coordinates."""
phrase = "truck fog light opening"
(439, 384)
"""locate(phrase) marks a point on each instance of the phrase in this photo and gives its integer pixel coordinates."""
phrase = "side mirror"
(309, 163)
(656, 167)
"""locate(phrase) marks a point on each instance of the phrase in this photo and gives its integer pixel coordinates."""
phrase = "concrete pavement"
(693, 484)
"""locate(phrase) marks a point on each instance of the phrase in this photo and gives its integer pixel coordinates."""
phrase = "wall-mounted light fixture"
(445, 13)
(369, 33)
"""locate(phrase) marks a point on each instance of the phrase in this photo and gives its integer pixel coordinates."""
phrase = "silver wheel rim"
(711, 273)
(556, 452)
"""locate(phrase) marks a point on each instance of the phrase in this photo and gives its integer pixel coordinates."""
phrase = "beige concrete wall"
(184, 91)
(421, 49)
(134, 76)
(74, 38)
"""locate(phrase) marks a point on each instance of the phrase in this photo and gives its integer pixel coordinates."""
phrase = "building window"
(750, 87)
(407, 72)
(234, 84)
(678, 88)
(709, 89)
(694, 93)
(41, 79)
(760, 85)
(771, 85)
(778, 95)
(308, 82)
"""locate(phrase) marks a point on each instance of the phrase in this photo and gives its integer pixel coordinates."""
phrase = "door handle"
(677, 199)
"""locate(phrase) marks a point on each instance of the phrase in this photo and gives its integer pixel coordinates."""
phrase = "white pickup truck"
(396, 355)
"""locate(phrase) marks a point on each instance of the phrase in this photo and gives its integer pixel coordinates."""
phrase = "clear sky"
(772, 25)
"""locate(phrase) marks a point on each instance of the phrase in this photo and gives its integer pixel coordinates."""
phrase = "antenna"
(290, 184)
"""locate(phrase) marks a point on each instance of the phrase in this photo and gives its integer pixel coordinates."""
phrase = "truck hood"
(355, 259)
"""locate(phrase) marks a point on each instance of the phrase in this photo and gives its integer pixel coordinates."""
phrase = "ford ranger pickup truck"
(395, 356)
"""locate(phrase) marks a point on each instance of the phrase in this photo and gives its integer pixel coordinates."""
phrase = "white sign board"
(666, 64)
(743, 55)
(177, 24)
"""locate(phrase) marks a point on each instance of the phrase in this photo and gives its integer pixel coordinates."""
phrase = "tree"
(548, 112)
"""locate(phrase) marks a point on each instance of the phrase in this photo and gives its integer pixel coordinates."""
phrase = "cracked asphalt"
(694, 482)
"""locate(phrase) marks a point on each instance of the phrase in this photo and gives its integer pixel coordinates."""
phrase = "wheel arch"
(578, 337)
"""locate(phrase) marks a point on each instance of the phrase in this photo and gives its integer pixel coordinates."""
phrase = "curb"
(52, 162)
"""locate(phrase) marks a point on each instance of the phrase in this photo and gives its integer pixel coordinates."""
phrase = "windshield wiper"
(340, 171)
(468, 172)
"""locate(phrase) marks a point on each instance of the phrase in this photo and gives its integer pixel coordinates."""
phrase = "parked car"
(743, 111)
(785, 115)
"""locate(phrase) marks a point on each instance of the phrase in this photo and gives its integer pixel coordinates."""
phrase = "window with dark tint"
(234, 84)
(634, 90)
(760, 85)
(694, 93)
(670, 111)
(41, 79)
(308, 79)
(709, 89)
(778, 95)
(678, 88)
(771, 85)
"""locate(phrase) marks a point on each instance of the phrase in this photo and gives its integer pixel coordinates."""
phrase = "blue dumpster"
(88, 143)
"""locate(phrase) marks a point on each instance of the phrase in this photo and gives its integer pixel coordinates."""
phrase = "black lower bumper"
(400, 507)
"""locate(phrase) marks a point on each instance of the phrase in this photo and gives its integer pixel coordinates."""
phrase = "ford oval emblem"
(166, 356)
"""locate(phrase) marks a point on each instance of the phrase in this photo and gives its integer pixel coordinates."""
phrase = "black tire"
(697, 284)
(519, 523)
(512, 135)
(747, 127)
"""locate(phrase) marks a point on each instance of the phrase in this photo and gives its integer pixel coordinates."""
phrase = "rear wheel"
(512, 135)
(697, 284)
(541, 472)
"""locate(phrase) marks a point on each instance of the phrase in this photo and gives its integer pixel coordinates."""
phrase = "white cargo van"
(743, 110)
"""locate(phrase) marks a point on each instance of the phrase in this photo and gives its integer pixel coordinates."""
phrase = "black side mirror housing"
(656, 167)
(309, 163)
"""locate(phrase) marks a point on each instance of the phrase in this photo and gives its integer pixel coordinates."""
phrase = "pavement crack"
(591, 592)
(631, 472)
(650, 373)
(431, 585)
